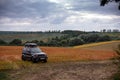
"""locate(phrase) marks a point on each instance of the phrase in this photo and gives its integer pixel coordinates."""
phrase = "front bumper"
(40, 57)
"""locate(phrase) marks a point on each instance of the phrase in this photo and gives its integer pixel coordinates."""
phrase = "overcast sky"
(43, 15)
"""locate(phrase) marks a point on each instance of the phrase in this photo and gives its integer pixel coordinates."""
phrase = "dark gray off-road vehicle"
(32, 52)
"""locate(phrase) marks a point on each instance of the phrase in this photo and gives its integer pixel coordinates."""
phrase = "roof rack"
(30, 44)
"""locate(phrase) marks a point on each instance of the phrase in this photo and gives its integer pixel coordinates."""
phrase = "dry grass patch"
(55, 54)
(96, 44)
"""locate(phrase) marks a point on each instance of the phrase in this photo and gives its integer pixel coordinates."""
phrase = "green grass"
(6, 68)
(112, 34)
(116, 76)
(29, 37)
(4, 75)
(40, 36)
(14, 65)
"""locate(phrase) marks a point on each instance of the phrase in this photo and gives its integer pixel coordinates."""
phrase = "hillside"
(104, 46)
(65, 38)
(27, 36)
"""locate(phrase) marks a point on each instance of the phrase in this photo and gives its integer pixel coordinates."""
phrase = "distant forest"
(59, 38)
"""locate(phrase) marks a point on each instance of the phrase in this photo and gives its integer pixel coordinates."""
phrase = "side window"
(24, 50)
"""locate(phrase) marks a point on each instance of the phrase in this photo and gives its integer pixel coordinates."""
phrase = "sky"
(44, 15)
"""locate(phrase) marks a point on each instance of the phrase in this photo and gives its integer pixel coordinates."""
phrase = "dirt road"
(95, 70)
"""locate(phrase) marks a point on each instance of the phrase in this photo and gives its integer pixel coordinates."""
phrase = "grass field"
(99, 44)
(28, 36)
(10, 54)
(13, 68)
(55, 54)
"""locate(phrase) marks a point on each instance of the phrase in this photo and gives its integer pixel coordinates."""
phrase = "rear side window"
(26, 49)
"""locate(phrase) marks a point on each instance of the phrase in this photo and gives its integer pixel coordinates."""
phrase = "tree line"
(69, 39)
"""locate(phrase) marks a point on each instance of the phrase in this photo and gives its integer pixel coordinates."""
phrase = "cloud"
(60, 14)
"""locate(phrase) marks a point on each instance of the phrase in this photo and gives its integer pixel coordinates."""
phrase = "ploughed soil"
(93, 70)
(58, 54)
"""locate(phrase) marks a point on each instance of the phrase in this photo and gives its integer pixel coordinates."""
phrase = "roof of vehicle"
(30, 44)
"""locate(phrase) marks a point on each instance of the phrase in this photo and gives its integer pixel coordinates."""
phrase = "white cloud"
(57, 14)
(58, 1)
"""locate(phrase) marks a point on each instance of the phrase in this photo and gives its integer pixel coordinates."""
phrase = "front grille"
(41, 55)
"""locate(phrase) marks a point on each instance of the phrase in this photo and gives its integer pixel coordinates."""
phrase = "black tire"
(34, 60)
(23, 58)
(45, 60)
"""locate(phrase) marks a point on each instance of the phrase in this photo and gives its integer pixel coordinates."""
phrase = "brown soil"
(56, 54)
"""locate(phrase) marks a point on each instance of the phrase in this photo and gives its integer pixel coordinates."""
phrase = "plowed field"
(55, 54)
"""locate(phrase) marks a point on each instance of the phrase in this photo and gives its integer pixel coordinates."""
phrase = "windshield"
(35, 50)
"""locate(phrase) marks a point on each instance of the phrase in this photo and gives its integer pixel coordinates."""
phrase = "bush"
(35, 41)
(16, 42)
(103, 38)
(2, 42)
(76, 41)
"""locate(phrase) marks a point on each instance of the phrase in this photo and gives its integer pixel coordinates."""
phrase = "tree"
(64, 42)
(76, 41)
(104, 2)
(103, 38)
(2, 42)
(89, 38)
(35, 41)
(52, 43)
(104, 30)
(41, 43)
(16, 42)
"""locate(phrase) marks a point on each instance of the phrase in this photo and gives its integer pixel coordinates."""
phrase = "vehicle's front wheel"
(34, 60)
(23, 58)
(45, 60)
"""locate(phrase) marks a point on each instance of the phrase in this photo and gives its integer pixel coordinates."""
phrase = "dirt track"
(98, 70)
